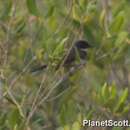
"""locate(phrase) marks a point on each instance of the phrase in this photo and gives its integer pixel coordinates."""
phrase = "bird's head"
(82, 44)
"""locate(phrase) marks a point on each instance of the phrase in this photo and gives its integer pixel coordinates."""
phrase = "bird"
(78, 49)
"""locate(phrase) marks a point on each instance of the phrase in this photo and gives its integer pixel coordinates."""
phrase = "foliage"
(35, 32)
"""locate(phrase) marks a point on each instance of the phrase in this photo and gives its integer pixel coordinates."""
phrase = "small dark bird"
(79, 49)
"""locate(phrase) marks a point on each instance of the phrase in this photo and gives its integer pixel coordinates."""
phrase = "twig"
(57, 96)
(15, 102)
(19, 75)
(38, 92)
(64, 78)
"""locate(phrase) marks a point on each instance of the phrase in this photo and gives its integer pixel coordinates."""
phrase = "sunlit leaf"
(121, 102)
(52, 23)
(89, 114)
(102, 19)
(83, 4)
(32, 7)
(121, 38)
(60, 48)
(112, 98)
(126, 109)
(113, 91)
(117, 23)
(105, 92)
(91, 7)
(76, 126)
(76, 13)
(67, 127)
(14, 118)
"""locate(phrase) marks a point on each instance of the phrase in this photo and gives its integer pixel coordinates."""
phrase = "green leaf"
(50, 11)
(6, 10)
(111, 100)
(63, 115)
(60, 128)
(52, 23)
(118, 23)
(76, 23)
(83, 4)
(113, 91)
(60, 48)
(89, 33)
(89, 114)
(121, 52)
(19, 27)
(66, 127)
(126, 109)
(105, 92)
(76, 13)
(14, 118)
(68, 112)
(120, 105)
(91, 7)
(121, 38)
(3, 118)
(102, 19)
(32, 7)
(76, 126)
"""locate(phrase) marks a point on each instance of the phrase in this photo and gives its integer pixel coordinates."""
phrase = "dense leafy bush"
(36, 32)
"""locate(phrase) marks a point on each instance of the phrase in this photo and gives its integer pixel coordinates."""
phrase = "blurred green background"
(37, 32)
